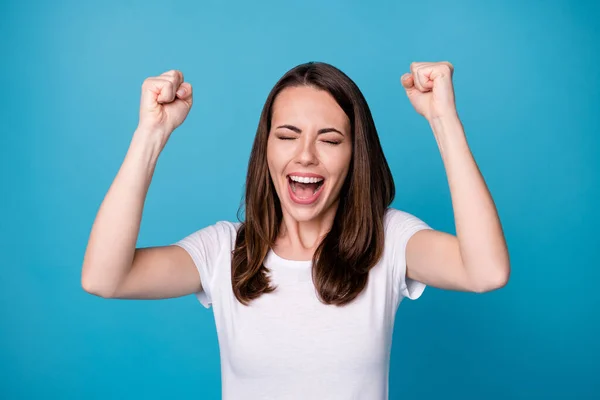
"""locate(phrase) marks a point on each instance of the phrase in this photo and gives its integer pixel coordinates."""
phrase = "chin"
(303, 214)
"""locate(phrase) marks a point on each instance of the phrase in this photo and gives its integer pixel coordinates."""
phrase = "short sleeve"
(210, 249)
(400, 226)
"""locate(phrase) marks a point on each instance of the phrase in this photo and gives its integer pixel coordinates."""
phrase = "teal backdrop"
(528, 93)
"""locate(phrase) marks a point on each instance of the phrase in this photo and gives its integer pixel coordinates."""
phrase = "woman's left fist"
(429, 88)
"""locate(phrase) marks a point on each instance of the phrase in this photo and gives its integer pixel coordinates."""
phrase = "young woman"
(305, 289)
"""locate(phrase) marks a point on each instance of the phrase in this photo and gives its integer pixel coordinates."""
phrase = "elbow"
(493, 281)
(92, 287)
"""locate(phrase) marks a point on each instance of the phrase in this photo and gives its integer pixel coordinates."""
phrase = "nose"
(306, 152)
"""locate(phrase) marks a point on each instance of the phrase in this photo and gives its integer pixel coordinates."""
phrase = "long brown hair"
(354, 244)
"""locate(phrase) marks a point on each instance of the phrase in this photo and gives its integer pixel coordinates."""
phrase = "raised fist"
(165, 102)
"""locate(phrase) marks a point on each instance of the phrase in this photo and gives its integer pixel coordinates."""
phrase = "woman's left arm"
(476, 259)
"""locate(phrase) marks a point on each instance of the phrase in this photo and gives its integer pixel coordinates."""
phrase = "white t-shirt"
(289, 345)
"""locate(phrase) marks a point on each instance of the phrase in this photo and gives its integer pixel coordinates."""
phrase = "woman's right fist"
(165, 103)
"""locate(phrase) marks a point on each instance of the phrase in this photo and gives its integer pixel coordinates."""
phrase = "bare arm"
(113, 267)
(477, 258)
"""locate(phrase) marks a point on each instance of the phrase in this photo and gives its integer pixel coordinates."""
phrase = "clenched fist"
(165, 103)
(429, 88)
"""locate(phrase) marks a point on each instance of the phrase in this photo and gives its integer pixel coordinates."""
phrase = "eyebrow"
(298, 130)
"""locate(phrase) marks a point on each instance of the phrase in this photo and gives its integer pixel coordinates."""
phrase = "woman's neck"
(298, 240)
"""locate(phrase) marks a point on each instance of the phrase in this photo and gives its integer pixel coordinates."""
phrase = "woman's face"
(308, 151)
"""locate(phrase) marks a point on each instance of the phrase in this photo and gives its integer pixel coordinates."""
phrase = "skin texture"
(295, 145)
(476, 258)
(113, 267)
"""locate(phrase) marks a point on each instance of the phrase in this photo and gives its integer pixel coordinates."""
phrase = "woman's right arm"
(113, 267)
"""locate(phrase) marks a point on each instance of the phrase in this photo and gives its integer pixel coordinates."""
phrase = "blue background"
(528, 92)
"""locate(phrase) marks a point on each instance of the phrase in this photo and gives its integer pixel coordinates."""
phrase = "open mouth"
(304, 189)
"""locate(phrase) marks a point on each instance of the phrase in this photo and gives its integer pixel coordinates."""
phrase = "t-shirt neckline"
(276, 260)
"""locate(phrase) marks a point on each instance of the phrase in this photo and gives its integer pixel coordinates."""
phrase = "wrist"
(447, 124)
(147, 145)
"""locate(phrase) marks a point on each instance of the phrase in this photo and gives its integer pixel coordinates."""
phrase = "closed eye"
(330, 142)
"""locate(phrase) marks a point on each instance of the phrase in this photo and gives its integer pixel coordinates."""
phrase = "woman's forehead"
(308, 105)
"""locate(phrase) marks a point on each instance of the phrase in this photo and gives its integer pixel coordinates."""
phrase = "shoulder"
(228, 228)
(399, 226)
(220, 228)
(395, 219)
(221, 234)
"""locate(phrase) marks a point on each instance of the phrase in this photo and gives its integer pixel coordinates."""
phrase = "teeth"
(303, 179)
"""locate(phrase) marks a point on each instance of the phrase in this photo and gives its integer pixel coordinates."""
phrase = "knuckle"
(167, 75)
(172, 79)
(446, 68)
(147, 82)
(173, 74)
